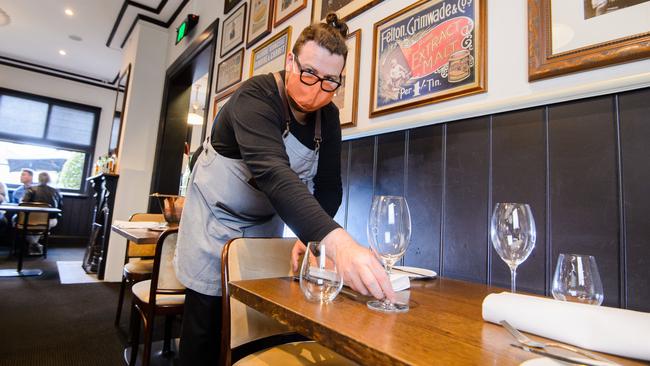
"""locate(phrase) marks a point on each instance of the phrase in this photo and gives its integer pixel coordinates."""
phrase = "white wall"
(146, 51)
(507, 67)
(50, 86)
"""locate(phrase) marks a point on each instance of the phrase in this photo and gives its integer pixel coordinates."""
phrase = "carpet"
(71, 272)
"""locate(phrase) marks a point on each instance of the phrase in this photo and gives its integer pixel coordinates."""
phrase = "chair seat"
(140, 266)
(141, 291)
(295, 354)
(32, 227)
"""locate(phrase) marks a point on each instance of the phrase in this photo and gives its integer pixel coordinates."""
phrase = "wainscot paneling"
(360, 176)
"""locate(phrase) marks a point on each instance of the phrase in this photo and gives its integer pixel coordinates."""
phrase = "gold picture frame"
(426, 53)
(220, 99)
(266, 58)
(546, 59)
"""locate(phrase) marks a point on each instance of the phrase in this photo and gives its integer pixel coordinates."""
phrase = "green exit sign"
(186, 27)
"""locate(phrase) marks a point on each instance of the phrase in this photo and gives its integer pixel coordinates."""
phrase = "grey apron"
(221, 204)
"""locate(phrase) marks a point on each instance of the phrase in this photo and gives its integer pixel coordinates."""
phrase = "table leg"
(19, 272)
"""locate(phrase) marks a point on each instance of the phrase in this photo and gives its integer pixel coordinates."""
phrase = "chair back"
(134, 250)
(35, 219)
(163, 277)
(246, 259)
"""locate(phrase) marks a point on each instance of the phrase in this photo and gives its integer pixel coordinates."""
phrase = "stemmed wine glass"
(513, 234)
(389, 233)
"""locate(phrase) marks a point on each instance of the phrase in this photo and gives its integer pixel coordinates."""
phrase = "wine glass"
(513, 234)
(389, 233)
(576, 279)
(320, 281)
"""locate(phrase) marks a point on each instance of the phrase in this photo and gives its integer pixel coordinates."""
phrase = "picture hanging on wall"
(346, 96)
(345, 9)
(260, 21)
(271, 55)
(221, 99)
(230, 70)
(431, 51)
(585, 35)
(229, 5)
(285, 9)
(232, 31)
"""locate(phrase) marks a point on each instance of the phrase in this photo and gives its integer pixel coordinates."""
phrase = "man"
(46, 194)
(273, 157)
(26, 179)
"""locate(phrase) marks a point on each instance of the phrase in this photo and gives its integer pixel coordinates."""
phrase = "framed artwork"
(431, 51)
(229, 5)
(285, 9)
(271, 55)
(232, 31)
(260, 21)
(230, 70)
(346, 96)
(121, 90)
(585, 34)
(221, 99)
(345, 9)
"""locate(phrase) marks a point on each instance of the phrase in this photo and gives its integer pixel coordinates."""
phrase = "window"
(46, 135)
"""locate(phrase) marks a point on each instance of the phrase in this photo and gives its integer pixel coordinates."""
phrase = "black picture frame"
(228, 5)
(121, 92)
(227, 27)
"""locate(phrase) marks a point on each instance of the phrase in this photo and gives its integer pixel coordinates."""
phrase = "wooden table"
(443, 327)
(15, 208)
(138, 236)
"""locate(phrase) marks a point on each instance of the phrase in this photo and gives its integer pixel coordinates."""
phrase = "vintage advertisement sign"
(270, 56)
(430, 51)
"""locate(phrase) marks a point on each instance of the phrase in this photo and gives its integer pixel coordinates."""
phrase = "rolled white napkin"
(610, 330)
(135, 224)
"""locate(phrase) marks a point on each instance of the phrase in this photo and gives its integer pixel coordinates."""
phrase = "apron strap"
(287, 115)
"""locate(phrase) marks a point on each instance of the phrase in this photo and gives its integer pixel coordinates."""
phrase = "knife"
(556, 356)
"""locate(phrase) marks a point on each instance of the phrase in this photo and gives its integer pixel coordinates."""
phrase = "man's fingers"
(384, 282)
(371, 283)
(356, 283)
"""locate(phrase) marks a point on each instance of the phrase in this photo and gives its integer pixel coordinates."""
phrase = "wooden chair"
(253, 258)
(138, 261)
(163, 295)
(38, 223)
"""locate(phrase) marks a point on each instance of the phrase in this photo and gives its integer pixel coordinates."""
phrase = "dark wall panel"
(76, 219)
(518, 175)
(424, 195)
(583, 186)
(340, 214)
(390, 164)
(360, 187)
(635, 153)
(465, 239)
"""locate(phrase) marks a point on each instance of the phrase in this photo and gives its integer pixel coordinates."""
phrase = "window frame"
(88, 150)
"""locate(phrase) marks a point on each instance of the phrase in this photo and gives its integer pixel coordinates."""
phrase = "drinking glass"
(389, 233)
(576, 279)
(320, 281)
(513, 234)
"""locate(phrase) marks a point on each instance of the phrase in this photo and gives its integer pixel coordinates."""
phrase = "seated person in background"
(4, 197)
(26, 179)
(43, 193)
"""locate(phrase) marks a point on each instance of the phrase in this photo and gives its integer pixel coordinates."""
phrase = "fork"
(524, 340)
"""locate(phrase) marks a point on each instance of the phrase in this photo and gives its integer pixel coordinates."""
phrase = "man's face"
(26, 178)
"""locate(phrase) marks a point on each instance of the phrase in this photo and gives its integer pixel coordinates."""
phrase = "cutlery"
(525, 341)
(555, 356)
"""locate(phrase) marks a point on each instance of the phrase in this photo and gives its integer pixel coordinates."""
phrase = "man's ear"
(289, 62)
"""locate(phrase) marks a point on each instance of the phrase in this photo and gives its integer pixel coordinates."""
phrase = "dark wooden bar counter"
(443, 327)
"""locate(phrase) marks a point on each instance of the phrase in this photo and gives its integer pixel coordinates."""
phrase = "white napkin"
(135, 224)
(610, 330)
(399, 281)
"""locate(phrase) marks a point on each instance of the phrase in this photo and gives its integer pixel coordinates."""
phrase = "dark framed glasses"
(308, 77)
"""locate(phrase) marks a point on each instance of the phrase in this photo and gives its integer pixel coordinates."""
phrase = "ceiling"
(38, 29)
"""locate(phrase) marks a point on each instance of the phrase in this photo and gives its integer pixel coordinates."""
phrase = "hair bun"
(333, 21)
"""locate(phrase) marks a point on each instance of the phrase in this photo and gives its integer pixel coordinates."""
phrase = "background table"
(139, 236)
(14, 208)
(443, 327)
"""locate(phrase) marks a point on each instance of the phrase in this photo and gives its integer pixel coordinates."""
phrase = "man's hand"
(298, 250)
(358, 265)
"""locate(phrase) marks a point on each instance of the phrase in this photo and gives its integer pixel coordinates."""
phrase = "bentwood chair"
(138, 261)
(38, 223)
(163, 295)
(250, 338)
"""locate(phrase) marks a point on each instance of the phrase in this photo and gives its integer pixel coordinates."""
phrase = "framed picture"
(121, 91)
(230, 70)
(221, 99)
(229, 5)
(232, 31)
(346, 97)
(285, 9)
(345, 9)
(271, 55)
(431, 51)
(260, 21)
(585, 35)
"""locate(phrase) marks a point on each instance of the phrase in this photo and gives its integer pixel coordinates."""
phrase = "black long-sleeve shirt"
(46, 194)
(250, 126)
